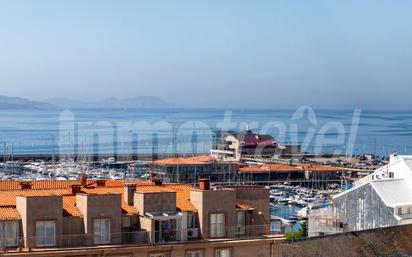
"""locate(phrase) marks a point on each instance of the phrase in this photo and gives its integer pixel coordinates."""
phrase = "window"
(194, 254)
(191, 220)
(101, 231)
(409, 210)
(223, 253)
(217, 224)
(9, 232)
(45, 233)
(126, 221)
(391, 175)
(399, 211)
(241, 222)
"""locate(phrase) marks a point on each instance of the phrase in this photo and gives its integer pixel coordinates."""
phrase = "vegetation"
(296, 235)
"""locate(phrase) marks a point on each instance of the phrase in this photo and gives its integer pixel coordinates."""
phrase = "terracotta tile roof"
(281, 167)
(195, 160)
(254, 169)
(128, 209)
(9, 213)
(313, 167)
(153, 189)
(8, 197)
(182, 196)
(51, 184)
(272, 167)
(37, 184)
(244, 206)
(69, 206)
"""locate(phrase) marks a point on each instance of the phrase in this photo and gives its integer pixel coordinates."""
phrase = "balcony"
(140, 238)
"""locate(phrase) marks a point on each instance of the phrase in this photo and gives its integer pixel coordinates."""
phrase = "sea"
(191, 130)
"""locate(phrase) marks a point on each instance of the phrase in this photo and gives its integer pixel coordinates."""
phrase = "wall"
(214, 201)
(258, 198)
(39, 208)
(101, 206)
(388, 242)
(239, 248)
(155, 202)
(362, 208)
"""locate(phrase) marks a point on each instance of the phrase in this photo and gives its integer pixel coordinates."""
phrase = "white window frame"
(9, 240)
(217, 229)
(223, 253)
(98, 237)
(194, 253)
(42, 237)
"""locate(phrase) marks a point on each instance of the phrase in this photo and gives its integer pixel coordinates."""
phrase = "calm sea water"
(191, 130)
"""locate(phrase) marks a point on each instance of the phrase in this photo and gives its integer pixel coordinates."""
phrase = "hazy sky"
(210, 53)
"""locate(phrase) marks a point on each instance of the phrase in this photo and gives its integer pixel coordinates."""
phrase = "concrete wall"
(73, 225)
(39, 208)
(239, 248)
(258, 198)
(214, 201)
(155, 202)
(101, 206)
(147, 224)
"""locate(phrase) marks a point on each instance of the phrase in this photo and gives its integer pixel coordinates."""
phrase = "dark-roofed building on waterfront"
(232, 146)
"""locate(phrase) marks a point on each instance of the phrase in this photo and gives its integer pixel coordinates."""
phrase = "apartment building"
(116, 218)
(191, 169)
(232, 146)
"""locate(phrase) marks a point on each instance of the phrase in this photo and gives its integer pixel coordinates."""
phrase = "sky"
(277, 53)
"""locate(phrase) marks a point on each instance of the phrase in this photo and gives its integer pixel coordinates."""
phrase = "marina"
(289, 205)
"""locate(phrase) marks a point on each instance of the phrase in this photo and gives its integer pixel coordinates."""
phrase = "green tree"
(296, 235)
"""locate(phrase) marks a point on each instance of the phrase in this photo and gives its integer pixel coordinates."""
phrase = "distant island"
(18, 103)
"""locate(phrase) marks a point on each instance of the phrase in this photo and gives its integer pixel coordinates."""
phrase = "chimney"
(101, 182)
(128, 193)
(83, 180)
(25, 185)
(204, 184)
(74, 189)
(393, 157)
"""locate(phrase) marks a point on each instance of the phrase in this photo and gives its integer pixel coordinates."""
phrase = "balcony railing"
(134, 238)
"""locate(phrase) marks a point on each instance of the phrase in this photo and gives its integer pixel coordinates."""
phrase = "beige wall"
(214, 201)
(239, 248)
(39, 208)
(73, 225)
(259, 199)
(155, 202)
(101, 206)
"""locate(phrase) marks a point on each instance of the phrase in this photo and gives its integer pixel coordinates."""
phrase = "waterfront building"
(381, 199)
(191, 169)
(317, 176)
(232, 146)
(139, 219)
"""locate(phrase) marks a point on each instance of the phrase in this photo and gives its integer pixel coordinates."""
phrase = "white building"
(381, 199)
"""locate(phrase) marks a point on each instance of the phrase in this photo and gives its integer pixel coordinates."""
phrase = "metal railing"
(135, 238)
